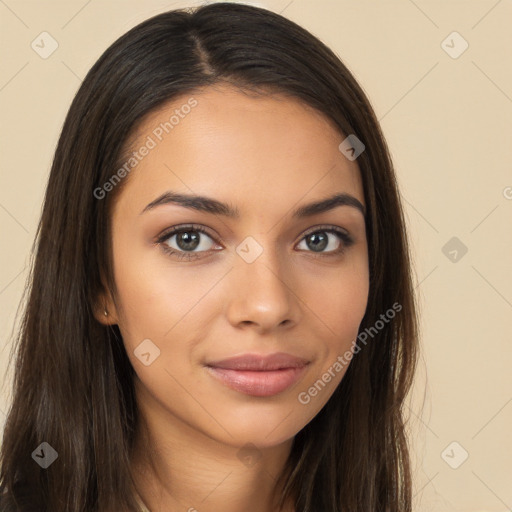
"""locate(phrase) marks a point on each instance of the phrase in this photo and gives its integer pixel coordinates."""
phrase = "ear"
(105, 311)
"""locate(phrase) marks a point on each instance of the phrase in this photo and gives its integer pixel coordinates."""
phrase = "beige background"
(448, 124)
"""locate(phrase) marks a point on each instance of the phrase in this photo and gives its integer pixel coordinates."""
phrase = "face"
(236, 323)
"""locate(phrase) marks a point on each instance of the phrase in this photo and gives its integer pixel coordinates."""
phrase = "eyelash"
(347, 241)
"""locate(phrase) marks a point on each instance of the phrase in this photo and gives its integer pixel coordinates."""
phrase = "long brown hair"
(73, 382)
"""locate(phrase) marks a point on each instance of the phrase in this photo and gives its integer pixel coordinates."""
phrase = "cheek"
(340, 305)
(340, 301)
(347, 314)
(161, 300)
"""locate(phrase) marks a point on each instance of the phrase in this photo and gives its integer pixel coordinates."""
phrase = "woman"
(221, 313)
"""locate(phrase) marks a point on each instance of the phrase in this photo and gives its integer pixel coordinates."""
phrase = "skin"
(265, 156)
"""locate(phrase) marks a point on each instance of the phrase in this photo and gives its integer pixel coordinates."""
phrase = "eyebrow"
(210, 205)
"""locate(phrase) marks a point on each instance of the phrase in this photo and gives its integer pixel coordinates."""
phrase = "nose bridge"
(263, 293)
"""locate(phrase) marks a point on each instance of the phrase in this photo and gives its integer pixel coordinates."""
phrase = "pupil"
(187, 241)
(319, 241)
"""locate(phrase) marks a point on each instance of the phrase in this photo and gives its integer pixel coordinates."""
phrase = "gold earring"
(105, 312)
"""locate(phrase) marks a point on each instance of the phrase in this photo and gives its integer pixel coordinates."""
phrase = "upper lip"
(260, 362)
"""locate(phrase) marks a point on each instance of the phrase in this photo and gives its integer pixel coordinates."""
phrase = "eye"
(186, 241)
(189, 242)
(331, 238)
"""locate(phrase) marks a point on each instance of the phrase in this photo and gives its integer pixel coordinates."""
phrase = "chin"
(265, 427)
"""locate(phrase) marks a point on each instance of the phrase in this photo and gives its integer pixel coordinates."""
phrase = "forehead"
(248, 149)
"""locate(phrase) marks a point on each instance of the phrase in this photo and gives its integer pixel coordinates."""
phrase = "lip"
(259, 375)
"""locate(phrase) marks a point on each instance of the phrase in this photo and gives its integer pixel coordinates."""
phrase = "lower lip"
(258, 383)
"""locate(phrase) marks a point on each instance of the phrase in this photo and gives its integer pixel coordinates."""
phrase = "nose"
(262, 295)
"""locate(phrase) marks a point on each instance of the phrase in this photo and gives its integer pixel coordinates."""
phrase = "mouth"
(259, 375)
